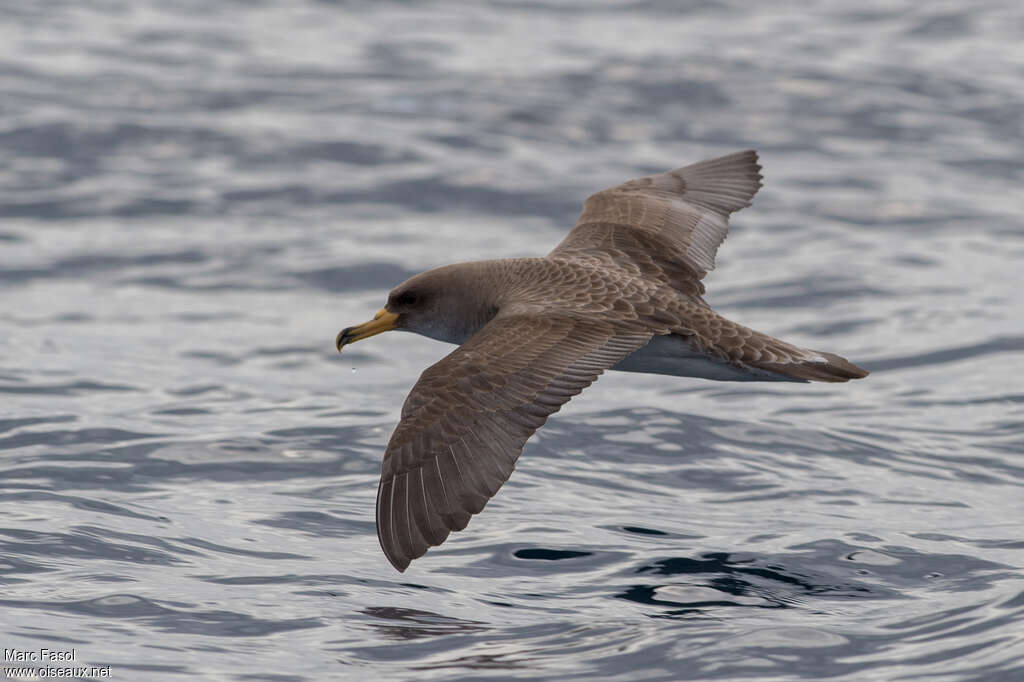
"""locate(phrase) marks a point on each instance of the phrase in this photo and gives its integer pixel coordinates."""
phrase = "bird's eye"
(406, 298)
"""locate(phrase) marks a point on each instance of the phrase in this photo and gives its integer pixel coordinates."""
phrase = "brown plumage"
(622, 291)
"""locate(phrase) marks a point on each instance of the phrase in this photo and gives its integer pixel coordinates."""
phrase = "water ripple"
(197, 197)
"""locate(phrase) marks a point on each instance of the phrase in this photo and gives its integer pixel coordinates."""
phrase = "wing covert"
(466, 420)
(670, 224)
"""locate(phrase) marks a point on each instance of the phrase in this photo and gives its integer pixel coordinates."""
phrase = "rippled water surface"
(195, 197)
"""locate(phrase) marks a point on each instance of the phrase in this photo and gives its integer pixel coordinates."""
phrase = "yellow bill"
(383, 321)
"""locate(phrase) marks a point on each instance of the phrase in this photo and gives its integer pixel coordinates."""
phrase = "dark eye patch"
(406, 298)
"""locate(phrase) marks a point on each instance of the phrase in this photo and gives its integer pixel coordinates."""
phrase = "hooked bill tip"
(342, 338)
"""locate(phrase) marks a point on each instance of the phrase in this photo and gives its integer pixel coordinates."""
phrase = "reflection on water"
(196, 197)
(415, 624)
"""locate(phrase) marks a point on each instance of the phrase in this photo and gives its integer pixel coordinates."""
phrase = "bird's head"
(444, 304)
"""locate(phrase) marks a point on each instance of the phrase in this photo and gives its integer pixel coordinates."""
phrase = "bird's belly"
(672, 354)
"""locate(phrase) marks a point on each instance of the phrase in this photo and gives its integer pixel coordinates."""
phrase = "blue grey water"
(196, 196)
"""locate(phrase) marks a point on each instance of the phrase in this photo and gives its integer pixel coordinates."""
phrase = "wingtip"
(755, 160)
(399, 561)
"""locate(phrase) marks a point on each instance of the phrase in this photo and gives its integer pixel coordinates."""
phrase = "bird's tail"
(747, 349)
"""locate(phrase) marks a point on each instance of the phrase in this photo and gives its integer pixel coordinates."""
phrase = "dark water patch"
(220, 316)
(808, 292)
(538, 649)
(284, 579)
(683, 601)
(74, 318)
(149, 466)
(622, 436)
(614, 8)
(773, 449)
(338, 151)
(327, 438)
(80, 387)
(1004, 169)
(11, 424)
(901, 568)
(455, 141)
(279, 193)
(189, 38)
(643, 531)
(75, 502)
(404, 60)
(872, 122)
(404, 624)
(241, 97)
(198, 389)
(235, 469)
(943, 537)
(1005, 344)
(541, 554)
(437, 194)
(95, 264)
(355, 277)
(60, 548)
(824, 328)
(1002, 117)
(513, 557)
(216, 283)
(939, 218)
(153, 541)
(233, 272)
(819, 183)
(183, 411)
(87, 146)
(733, 575)
(317, 524)
(282, 409)
(75, 437)
(1009, 400)
(939, 465)
(169, 616)
(353, 358)
(715, 580)
(11, 565)
(216, 357)
(285, 350)
(154, 206)
(844, 496)
(238, 551)
(80, 208)
(928, 503)
(943, 26)
(676, 92)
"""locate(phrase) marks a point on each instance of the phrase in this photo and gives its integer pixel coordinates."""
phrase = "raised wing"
(669, 225)
(466, 420)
